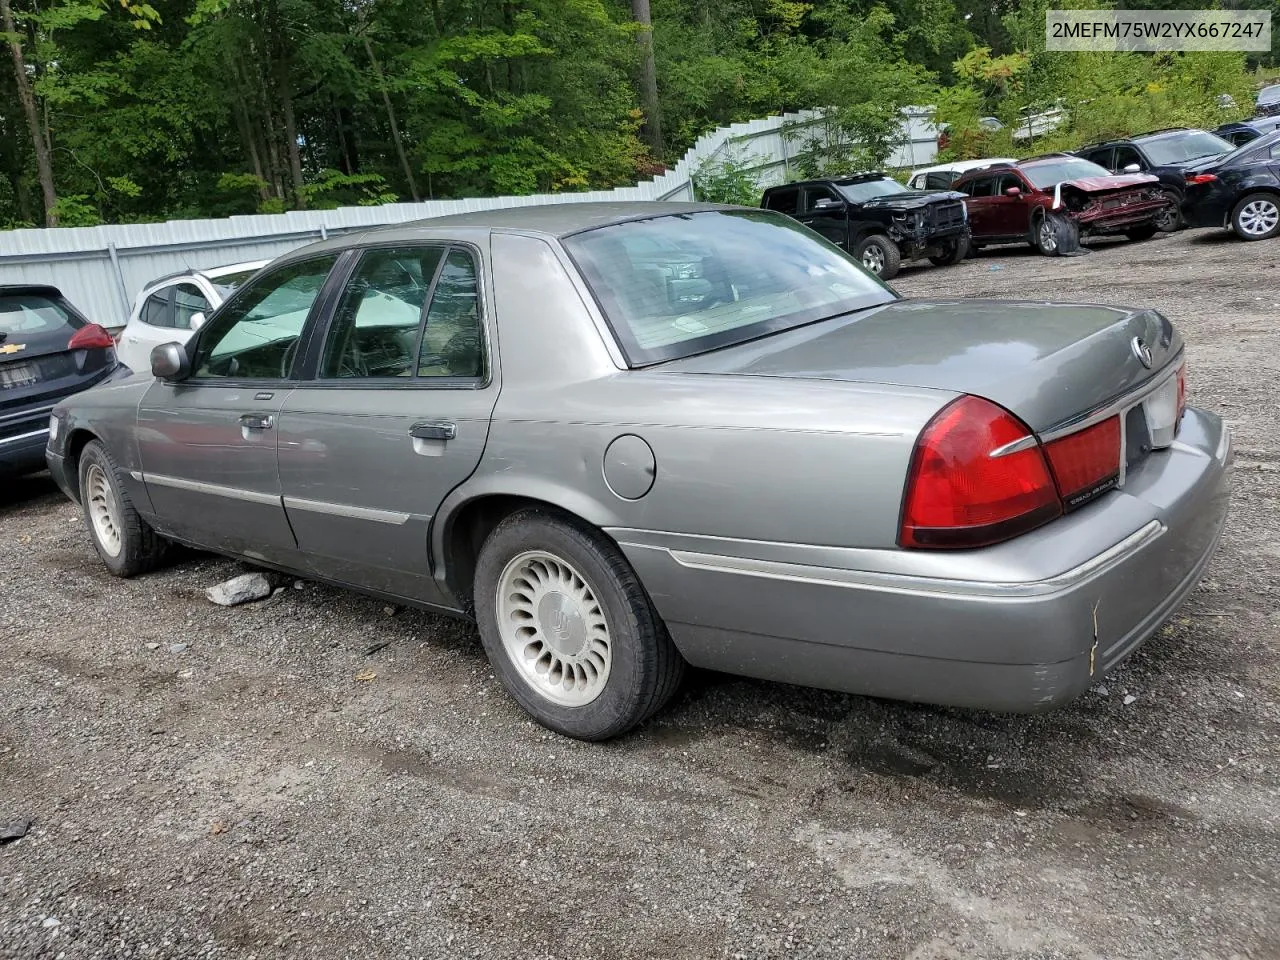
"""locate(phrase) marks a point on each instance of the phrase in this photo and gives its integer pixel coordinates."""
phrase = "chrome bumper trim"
(901, 583)
(42, 432)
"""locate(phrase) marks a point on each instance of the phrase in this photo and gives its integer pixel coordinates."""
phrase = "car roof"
(566, 217)
(16, 289)
(963, 166)
(211, 273)
(1041, 158)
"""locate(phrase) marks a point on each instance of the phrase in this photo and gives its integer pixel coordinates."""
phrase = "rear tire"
(1138, 234)
(569, 629)
(125, 542)
(880, 255)
(1257, 217)
(953, 252)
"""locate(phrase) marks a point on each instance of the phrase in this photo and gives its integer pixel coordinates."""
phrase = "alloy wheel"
(553, 628)
(873, 259)
(102, 510)
(1258, 218)
(1048, 238)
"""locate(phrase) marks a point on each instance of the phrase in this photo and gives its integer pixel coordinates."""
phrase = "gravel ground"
(218, 782)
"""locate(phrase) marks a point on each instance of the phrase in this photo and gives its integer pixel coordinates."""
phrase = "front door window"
(256, 336)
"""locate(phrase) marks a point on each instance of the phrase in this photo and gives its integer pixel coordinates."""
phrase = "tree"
(648, 75)
(39, 136)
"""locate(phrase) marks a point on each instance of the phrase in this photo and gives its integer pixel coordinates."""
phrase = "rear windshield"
(26, 314)
(1049, 173)
(679, 285)
(1183, 147)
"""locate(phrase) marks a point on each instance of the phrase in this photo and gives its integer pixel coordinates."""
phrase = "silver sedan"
(627, 438)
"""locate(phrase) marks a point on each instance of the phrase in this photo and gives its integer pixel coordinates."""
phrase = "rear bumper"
(1020, 627)
(1207, 210)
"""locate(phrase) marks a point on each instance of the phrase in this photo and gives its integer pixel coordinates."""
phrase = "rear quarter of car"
(48, 351)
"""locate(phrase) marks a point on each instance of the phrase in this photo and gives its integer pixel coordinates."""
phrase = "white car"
(172, 308)
(943, 175)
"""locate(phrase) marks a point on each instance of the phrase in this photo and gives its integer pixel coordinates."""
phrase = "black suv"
(878, 220)
(1165, 154)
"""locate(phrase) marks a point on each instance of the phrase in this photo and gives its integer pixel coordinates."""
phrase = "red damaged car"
(1055, 201)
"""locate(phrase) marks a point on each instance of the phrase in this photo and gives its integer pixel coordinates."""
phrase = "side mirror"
(169, 362)
(826, 203)
(1132, 168)
(197, 321)
(1013, 191)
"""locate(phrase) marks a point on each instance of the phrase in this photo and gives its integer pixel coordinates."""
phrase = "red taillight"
(1200, 178)
(90, 337)
(965, 487)
(1086, 462)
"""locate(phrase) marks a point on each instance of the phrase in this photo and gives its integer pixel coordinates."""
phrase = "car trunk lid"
(1049, 364)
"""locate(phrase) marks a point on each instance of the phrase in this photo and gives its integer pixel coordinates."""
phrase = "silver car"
(631, 437)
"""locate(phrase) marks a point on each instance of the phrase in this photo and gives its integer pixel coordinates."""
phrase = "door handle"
(257, 421)
(434, 430)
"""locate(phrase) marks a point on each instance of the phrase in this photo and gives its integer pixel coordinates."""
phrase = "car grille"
(946, 216)
(23, 373)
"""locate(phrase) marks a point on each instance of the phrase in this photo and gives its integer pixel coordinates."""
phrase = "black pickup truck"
(878, 220)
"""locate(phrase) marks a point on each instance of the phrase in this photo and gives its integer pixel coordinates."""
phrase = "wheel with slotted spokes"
(125, 542)
(569, 628)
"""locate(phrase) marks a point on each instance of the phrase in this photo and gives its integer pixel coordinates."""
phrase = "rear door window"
(157, 310)
(939, 179)
(982, 187)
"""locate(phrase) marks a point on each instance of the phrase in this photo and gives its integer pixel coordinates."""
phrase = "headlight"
(54, 425)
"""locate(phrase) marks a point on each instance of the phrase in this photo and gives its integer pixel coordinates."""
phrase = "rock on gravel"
(238, 590)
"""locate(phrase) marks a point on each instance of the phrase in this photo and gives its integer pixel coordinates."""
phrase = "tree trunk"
(391, 119)
(291, 139)
(39, 138)
(648, 77)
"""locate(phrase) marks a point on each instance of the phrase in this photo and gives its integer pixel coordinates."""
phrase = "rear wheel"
(880, 255)
(569, 628)
(1138, 234)
(1257, 216)
(951, 252)
(125, 542)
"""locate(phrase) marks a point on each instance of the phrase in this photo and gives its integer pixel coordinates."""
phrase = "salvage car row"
(1133, 187)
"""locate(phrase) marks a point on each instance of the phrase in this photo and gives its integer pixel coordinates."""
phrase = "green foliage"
(191, 108)
(333, 189)
(726, 181)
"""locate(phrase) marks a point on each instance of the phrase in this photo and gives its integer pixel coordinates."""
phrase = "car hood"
(1119, 181)
(911, 200)
(1046, 362)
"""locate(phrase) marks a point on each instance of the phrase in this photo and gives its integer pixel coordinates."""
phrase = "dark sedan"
(48, 351)
(1240, 191)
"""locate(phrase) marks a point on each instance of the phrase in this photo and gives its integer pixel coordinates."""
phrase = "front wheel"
(951, 252)
(124, 541)
(1257, 216)
(1053, 235)
(1169, 218)
(569, 628)
(880, 255)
